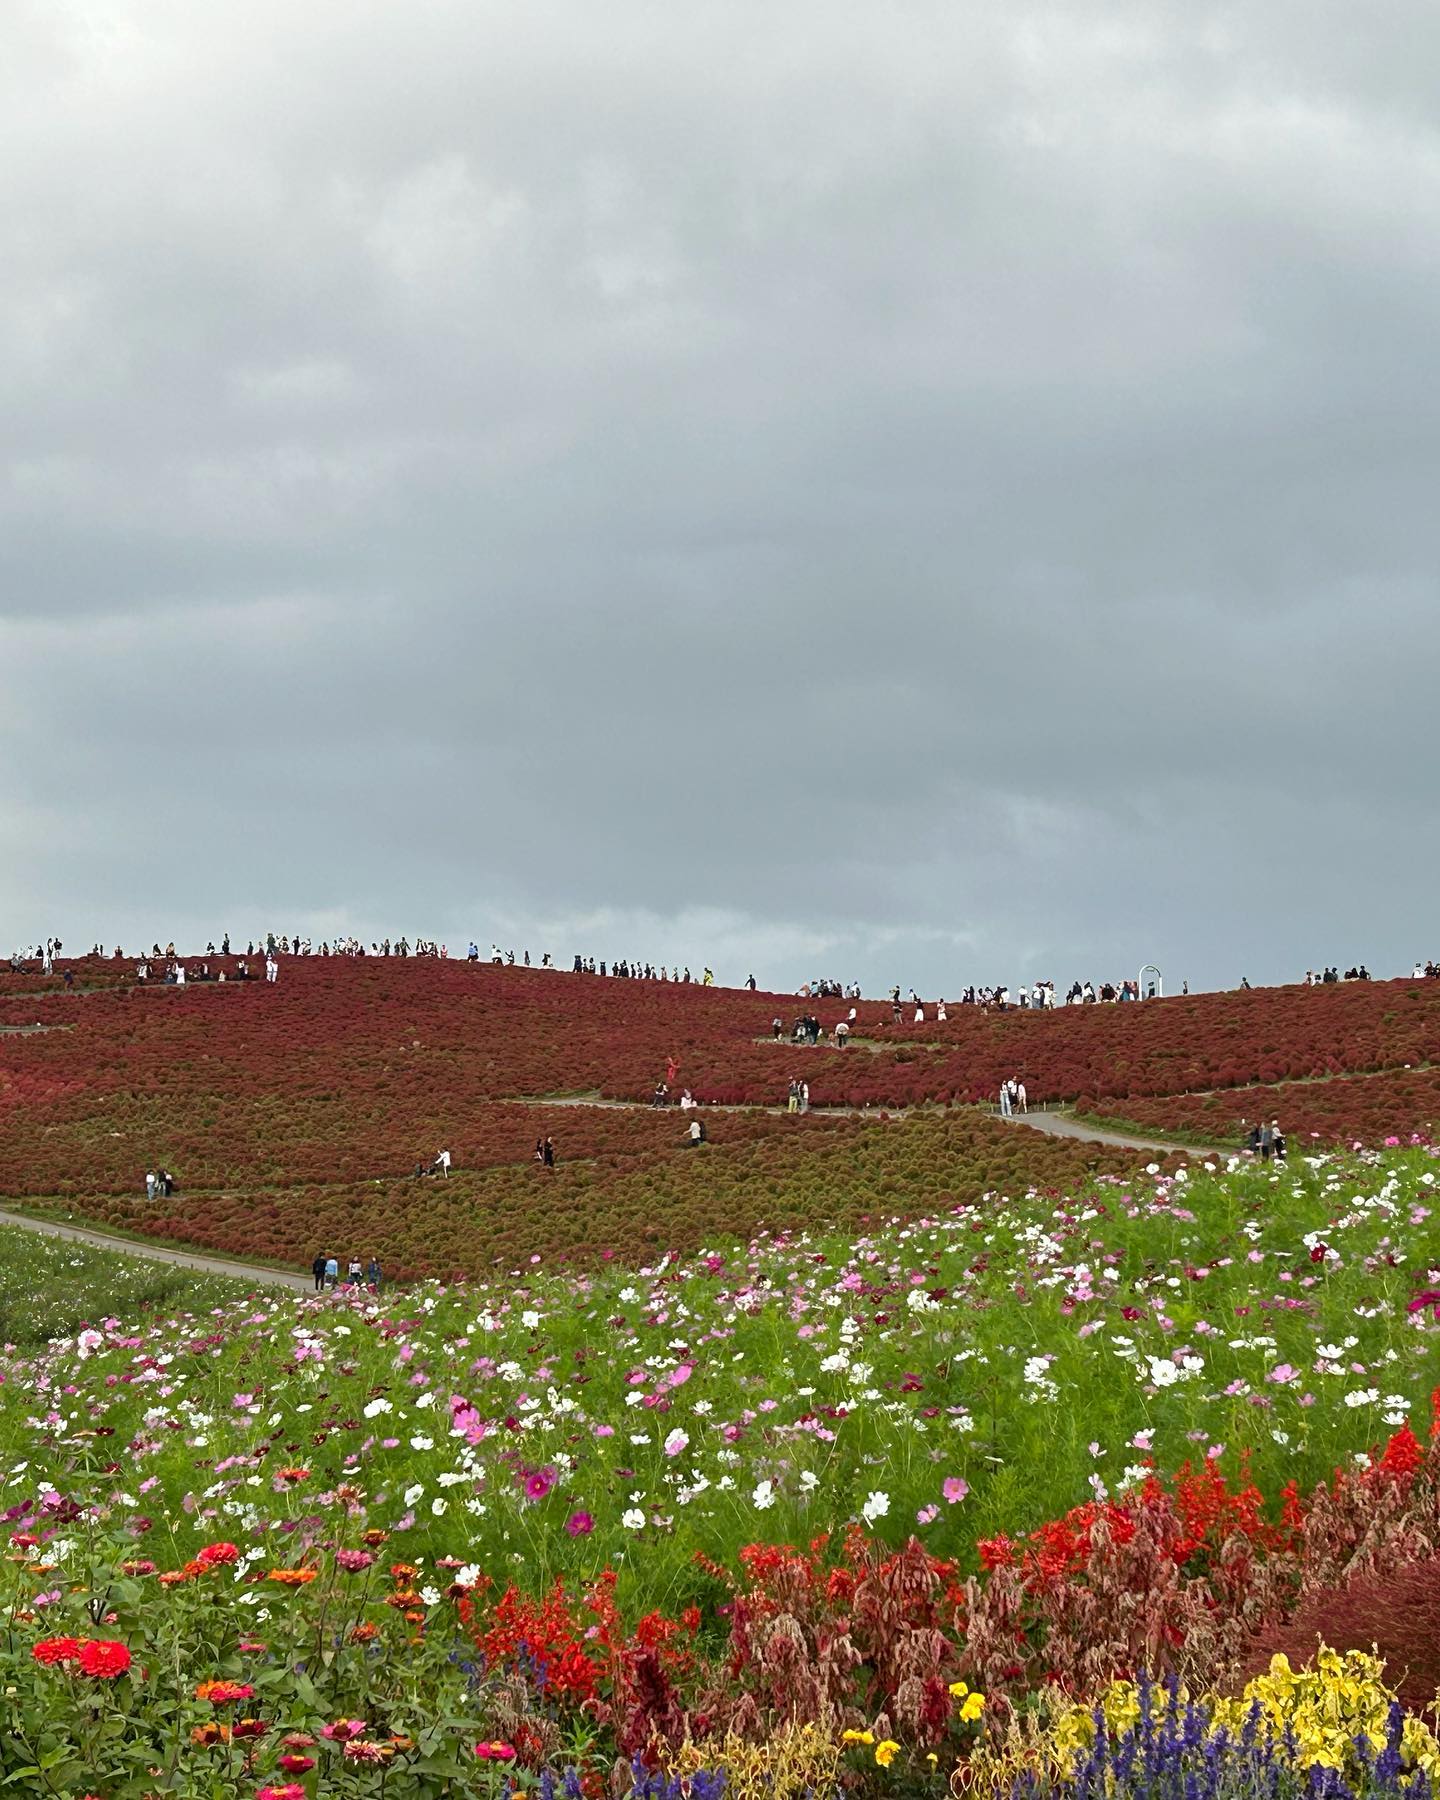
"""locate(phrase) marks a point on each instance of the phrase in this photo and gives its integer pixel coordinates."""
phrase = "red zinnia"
(213, 1556)
(56, 1650)
(103, 1659)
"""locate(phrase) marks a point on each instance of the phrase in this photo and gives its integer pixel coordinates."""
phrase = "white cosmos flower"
(764, 1495)
(438, 1506)
(633, 1519)
(412, 1494)
(876, 1506)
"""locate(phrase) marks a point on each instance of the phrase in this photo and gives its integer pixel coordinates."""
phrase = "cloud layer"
(932, 494)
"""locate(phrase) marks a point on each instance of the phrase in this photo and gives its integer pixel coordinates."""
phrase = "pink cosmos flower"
(954, 1488)
(538, 1483)
(926, 1514)
(580, 1524)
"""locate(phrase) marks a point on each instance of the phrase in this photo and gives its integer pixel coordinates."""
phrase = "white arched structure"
(1157, 990)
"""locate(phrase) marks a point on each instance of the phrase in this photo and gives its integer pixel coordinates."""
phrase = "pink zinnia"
(580, 1524)
(353, 1561)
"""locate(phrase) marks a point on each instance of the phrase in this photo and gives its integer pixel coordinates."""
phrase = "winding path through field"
(1052, 1124)
(180, 1259)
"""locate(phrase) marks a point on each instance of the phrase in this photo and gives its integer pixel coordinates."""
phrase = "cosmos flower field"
(574, 1517)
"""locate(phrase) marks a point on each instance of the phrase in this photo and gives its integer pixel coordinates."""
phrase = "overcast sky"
(929, 492)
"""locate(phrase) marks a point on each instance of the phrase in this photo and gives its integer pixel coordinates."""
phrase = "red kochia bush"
(1397, 1615)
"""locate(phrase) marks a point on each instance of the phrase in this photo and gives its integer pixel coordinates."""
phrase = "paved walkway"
(1052, 1124)
(179, 1259)
(1055, 1124)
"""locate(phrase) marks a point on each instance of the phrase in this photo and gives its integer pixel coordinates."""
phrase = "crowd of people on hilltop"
(1038, 996)
(1328, 977)
(173, 972)
(628, 971)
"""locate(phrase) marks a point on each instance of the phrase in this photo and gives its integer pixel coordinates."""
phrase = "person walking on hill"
(317, 1269)
(792, 1103)
(332, 1271)
(353, 1273)
(152, 1184)
(442, 1163)
(1004, 1099)
(374, 1275)
(549, 1152)
(1022, 1099)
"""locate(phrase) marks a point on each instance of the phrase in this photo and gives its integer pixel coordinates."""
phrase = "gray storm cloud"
(930, 493)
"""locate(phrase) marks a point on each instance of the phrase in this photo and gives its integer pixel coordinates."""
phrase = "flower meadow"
(801, 1512)
(49, 1288)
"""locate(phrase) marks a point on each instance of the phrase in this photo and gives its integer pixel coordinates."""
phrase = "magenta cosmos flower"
(580, 1524)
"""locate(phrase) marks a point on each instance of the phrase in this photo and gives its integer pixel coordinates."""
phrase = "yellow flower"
(958, 1689)
(886, 1752)
(857, 1737)
(972, 1709)
(931, 1758)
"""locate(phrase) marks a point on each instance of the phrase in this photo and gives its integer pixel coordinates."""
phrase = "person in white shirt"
(272, 968)
(442, 1163)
